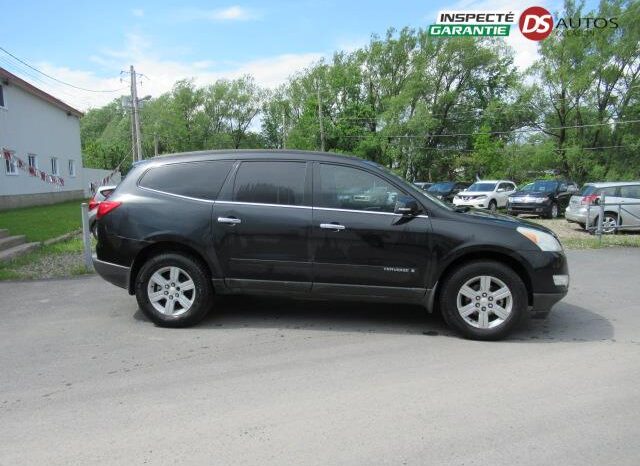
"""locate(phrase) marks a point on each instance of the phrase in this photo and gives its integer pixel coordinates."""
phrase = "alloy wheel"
(554, 211)
(609, 224)
(171, 291)
(484, 302)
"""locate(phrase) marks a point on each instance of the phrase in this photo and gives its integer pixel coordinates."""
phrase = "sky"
(88, 44)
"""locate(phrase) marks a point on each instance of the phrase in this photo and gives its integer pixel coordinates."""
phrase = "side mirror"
(501, 190)
(562, 189)
(407, 206)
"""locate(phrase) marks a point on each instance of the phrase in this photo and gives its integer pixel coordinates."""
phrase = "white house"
(40, 155)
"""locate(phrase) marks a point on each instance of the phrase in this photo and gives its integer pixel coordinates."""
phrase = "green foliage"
(428, 107)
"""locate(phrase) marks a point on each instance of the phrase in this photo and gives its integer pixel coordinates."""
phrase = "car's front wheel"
(483, 300)
(174, 290)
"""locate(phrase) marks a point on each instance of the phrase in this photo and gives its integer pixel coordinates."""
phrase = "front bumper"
(475, 203)
(113, 273)
(543, 302)
(529, 208)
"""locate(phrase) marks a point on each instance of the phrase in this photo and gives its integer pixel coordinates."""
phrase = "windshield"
(482, 187)
(442, 187)
(544, 186)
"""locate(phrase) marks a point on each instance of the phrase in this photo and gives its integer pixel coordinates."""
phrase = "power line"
(34, 78)
(519, 149)
(56, 79)
(489, 133)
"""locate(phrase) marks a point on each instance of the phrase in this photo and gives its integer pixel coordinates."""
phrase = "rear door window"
(632, 192)
(201, 180)
(270, 182)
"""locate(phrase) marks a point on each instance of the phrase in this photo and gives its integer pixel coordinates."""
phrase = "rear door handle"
(332, 226)
(229, 220)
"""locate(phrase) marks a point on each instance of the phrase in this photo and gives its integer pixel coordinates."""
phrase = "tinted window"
(350, 188)
(270, 183)
(202, 180)
(442, 187)
(632, 192)
(610, 191)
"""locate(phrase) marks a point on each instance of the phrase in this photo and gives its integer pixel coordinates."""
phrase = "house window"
(1, 96)
(54, 166)
(33, 161)
(11, 166)
(72, 168)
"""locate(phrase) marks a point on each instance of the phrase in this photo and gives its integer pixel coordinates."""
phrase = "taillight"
(589, 200)
(105, 207)
(93, 204)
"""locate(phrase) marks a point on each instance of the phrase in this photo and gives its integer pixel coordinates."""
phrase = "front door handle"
(332, 226)
(229, 220)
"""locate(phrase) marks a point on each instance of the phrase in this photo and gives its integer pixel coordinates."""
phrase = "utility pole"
(137, 143)
(284, 132)
(320, 117)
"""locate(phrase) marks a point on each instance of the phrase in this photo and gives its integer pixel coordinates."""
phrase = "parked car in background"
(102, 193)
(183, 228)
(486, 194)
(446, 190)
(584, 210)
(545, 198)
(424, 185)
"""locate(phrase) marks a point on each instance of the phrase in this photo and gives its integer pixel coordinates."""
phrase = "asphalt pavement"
(85, 378)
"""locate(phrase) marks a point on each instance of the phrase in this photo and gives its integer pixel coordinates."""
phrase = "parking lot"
(86, 379)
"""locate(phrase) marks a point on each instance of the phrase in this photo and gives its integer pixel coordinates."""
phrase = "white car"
(486, 194)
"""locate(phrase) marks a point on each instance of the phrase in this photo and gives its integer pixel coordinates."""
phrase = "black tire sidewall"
(201, 280)
(495, 206)
(449, 294)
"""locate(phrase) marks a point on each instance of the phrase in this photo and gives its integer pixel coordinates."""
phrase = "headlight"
(544, 241)
(541, 200)
(481, 197)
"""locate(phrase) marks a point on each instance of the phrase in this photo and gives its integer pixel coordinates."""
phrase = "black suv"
(546, 198)
(447, 190)
(181, 228)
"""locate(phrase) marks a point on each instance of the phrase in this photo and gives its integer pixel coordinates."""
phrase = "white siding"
(30, 125)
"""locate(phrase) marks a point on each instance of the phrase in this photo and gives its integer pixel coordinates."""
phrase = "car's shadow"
(566, 323)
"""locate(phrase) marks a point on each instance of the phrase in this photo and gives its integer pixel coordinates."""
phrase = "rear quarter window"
(202, 180)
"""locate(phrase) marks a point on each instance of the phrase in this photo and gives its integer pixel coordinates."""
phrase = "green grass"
(42, 222)
(608, 241)
(19, 268)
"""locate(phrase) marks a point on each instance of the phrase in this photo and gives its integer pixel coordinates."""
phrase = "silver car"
(101, 194)
(583, 207)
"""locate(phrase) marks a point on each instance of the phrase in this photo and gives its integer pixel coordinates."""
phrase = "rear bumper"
(113, 273)
(576, 216)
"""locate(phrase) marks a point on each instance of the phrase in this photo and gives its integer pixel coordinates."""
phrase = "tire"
(463, 311)
(162, 299)
(554, 211)
(493, 206)
(610, 220)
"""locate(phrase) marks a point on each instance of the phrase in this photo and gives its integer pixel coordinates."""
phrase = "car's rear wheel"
(483, 300)
(609, 224)
(174, 290)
